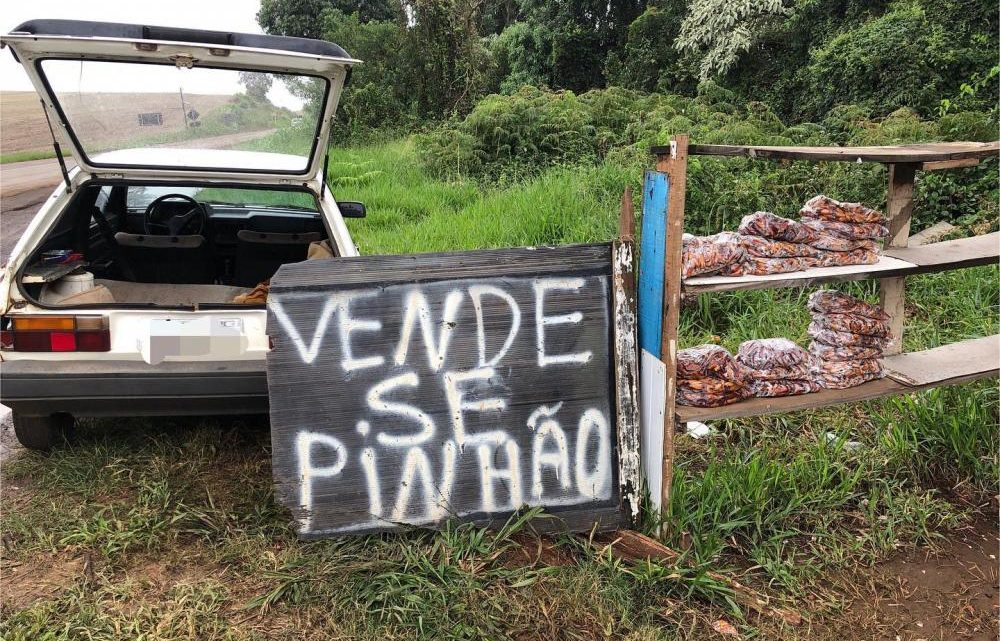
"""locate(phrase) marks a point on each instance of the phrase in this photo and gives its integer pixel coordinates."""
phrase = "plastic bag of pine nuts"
(784, 387)
(850, 231)
(709, 361)
(702, 255)
(710, 392)
(768, 225)
(845, 339)
(825, 208)
(831, 301)
(833, 353)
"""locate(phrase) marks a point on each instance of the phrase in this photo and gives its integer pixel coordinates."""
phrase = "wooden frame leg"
(675, 166)
(899, 210)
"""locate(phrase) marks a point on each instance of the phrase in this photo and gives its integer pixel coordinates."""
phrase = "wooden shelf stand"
(895, 262)
(905, 372)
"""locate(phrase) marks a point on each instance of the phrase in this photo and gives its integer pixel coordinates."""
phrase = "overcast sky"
(219, 15)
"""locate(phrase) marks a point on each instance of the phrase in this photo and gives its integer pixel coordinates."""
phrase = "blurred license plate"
(193, 337)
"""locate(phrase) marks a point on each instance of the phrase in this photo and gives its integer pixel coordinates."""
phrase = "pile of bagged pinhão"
(848, 335)
(830, 233)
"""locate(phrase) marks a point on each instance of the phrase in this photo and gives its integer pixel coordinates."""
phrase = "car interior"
(172, 244)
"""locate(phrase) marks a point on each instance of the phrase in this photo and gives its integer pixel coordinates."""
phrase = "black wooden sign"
(421, 388)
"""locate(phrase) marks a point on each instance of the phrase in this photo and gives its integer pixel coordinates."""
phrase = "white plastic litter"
(697, 429)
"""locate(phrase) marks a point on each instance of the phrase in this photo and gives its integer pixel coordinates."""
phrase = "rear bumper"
(115, 388)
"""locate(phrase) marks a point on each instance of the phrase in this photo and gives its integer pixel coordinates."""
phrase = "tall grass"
(24, 156)
(410, 212)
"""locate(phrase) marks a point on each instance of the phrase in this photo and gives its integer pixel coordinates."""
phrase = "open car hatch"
(159, 101)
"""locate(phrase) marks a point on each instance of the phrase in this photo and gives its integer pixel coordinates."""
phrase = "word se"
(403, 392)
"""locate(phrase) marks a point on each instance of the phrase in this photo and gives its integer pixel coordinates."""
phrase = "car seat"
(167, 259)
(260, 254)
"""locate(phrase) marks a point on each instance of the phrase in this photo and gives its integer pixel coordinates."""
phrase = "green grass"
(184, 538)
(23, 156)
(247, 116)
(412, 213)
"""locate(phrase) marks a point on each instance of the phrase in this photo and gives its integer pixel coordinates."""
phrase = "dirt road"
(16, 212)
(24, 186)
(19, 177)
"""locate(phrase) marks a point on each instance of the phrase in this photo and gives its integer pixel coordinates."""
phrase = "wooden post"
(675, 166)
(626, 356)
(899, 210)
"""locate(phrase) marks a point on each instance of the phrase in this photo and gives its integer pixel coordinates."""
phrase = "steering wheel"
(176, 223)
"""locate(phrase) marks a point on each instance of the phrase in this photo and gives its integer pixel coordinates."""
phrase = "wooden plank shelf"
(899, 261)
(905, 373)
(886, 266)
(950, 254)
(929, 152)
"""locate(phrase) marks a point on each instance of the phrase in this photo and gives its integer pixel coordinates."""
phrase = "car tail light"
(55, 334)
(44, 322)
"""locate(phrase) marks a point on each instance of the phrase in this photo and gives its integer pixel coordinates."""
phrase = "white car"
(139, 288)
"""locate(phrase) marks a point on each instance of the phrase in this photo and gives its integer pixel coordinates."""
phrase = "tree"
(648, 60)
(257, 84)
(578, 35)
(523, 55)
(722, 30)
(378, 93)
(450, 60)
(896, 60)
(302, 18)
(493, 16)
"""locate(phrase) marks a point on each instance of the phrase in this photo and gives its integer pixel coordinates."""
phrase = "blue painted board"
(652, 257)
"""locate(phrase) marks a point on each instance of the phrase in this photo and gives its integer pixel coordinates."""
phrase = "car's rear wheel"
(42, 432)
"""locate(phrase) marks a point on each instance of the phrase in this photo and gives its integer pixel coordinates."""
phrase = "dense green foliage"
(508, 137)
(724, 30)
(433, 59)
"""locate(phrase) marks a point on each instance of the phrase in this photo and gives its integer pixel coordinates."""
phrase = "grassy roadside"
(23, 156)
(168, 530)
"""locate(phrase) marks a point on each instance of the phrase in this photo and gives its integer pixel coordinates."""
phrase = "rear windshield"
(114, 106)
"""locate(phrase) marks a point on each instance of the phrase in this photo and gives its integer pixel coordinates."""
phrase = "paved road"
(19, 177)
(16, 212)
(24, 186)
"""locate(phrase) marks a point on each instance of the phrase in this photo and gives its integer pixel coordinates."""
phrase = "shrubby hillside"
(430, 60)
(498, 91)
(510, 137)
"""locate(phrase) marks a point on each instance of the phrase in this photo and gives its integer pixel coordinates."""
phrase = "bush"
(969, 125)
(510, 137)
(893, 61)
(649, 61)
